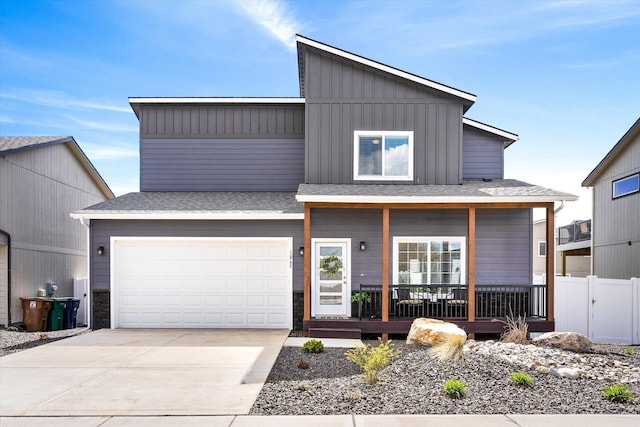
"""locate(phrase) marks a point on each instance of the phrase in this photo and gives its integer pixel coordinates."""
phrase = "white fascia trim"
(434, 199)
(216, 100)
(386, 68)
(190, 215)
(490, 129)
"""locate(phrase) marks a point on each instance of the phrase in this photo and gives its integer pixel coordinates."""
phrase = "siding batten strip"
(471, 265)
(307, 262)
(385, 264)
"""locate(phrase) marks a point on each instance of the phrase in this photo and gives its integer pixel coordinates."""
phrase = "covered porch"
(393, 302)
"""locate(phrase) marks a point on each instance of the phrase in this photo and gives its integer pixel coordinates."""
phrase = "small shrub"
(617, 393)
(313, 346)
(628, 351)
(302, 364)
(455, 389)
(449, 349)
(521, 379)
(516, 329)
(373, 360)
(303, 387)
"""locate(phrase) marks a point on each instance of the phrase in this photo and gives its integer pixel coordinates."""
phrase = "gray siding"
(221, 147)
(221, 164)
(615, 221)
(39, 188)
(483, 155)
(503, 246)
(342, 97)
(102, 230)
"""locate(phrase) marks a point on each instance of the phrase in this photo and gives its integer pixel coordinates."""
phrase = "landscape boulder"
(571, 341)
(430, 332)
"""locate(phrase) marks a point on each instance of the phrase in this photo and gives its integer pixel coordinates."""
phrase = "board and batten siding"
(221, 148)
(342, 97)
(616, 221)
(39, 188)
(102, 230)
(482, 155)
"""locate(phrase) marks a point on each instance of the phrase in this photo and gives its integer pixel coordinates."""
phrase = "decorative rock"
(571, 341)
(432, 331)
(542, 370)
(568, 373)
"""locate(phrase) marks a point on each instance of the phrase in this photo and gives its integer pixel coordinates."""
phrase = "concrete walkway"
(336, 421)
(140, 372)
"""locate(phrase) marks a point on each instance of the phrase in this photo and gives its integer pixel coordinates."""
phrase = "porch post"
(385, 264)
(307, 262)
(551, 252)
(471, 264)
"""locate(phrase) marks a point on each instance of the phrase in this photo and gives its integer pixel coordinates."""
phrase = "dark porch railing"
(451, 301)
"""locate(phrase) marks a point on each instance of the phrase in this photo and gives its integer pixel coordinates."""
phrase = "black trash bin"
(35, 312)
(69, 318)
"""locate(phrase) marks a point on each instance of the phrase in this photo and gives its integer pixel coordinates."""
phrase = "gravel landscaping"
(413, 384)
(13, 340)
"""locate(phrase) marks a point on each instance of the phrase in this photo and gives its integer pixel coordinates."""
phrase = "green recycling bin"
(35, 313)
(56, 314)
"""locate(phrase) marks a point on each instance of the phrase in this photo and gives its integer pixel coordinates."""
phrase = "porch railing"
(451, 301)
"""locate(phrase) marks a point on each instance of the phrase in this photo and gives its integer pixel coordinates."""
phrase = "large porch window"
(430, 261)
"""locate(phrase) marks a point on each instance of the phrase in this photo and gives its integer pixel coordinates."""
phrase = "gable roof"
(16, 144)
(201, 205)
(626, 139)
(508, 137)
(467, 98)
(469, 191)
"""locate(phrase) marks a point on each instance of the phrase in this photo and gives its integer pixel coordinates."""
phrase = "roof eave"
(434, 199)
(177, 215)
(508, 137)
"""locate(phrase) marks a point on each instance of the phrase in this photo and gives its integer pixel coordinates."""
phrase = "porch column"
(551, 252)
(307, 262)
(471, 264)
(385, 264)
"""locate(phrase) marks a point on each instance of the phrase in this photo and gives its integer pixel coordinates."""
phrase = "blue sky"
(561, 74)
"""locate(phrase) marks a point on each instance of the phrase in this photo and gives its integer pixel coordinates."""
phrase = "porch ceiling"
(469, 191)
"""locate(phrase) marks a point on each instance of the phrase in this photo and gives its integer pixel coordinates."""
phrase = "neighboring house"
(42, 180)
(615, 251)
(573, 249)
(274, 212)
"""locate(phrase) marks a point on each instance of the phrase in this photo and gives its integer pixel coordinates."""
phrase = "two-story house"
(276, 212)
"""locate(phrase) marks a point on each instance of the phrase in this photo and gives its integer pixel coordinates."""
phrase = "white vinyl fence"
(605, 310)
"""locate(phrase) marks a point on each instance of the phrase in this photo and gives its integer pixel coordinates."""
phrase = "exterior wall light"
(301, 251)
(100, 250)
(363, 246)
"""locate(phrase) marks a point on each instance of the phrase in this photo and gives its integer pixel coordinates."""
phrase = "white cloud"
(111, 152)
(101, 125)
(59, 100)
(272, 15)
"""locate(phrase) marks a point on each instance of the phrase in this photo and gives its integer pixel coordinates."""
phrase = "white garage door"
(201, 283)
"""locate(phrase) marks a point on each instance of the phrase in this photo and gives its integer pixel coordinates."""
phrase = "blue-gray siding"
(262, 164)
(342, 96)
(483, 155)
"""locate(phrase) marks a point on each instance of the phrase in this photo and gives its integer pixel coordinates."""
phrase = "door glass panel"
(330, 287)
(330, 250)
(330, 300)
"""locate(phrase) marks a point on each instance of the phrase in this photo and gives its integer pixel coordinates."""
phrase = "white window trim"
(613, 186)
(427, 239)
(545, 248)
(356, 156)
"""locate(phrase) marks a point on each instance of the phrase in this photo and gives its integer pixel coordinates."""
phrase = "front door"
(331, 287)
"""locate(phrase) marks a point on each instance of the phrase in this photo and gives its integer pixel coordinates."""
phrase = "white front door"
(331, 287)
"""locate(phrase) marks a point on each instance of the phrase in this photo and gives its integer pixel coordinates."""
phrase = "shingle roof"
(470, 190)
(199, 202)
(14, 143)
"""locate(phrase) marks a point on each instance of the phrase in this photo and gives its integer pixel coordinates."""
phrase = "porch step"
(335, 333)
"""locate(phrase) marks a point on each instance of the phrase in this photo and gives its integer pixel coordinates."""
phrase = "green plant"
(361, 296)
(313, 346)
(303, 387)
(331, 264)
(373, 360)
(450, 348)
(521, 379)
(455, 389)
(516, 329)
(628, 351)
(617, 393)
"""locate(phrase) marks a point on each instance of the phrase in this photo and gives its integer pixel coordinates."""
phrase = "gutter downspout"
(87, 308)
(8, 276)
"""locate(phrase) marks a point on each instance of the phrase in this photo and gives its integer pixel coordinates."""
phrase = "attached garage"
(165, 282)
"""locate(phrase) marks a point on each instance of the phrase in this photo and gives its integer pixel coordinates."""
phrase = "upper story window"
(624, 186)
(380, 156)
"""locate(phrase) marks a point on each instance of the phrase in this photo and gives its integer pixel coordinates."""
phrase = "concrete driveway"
(141, 372)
